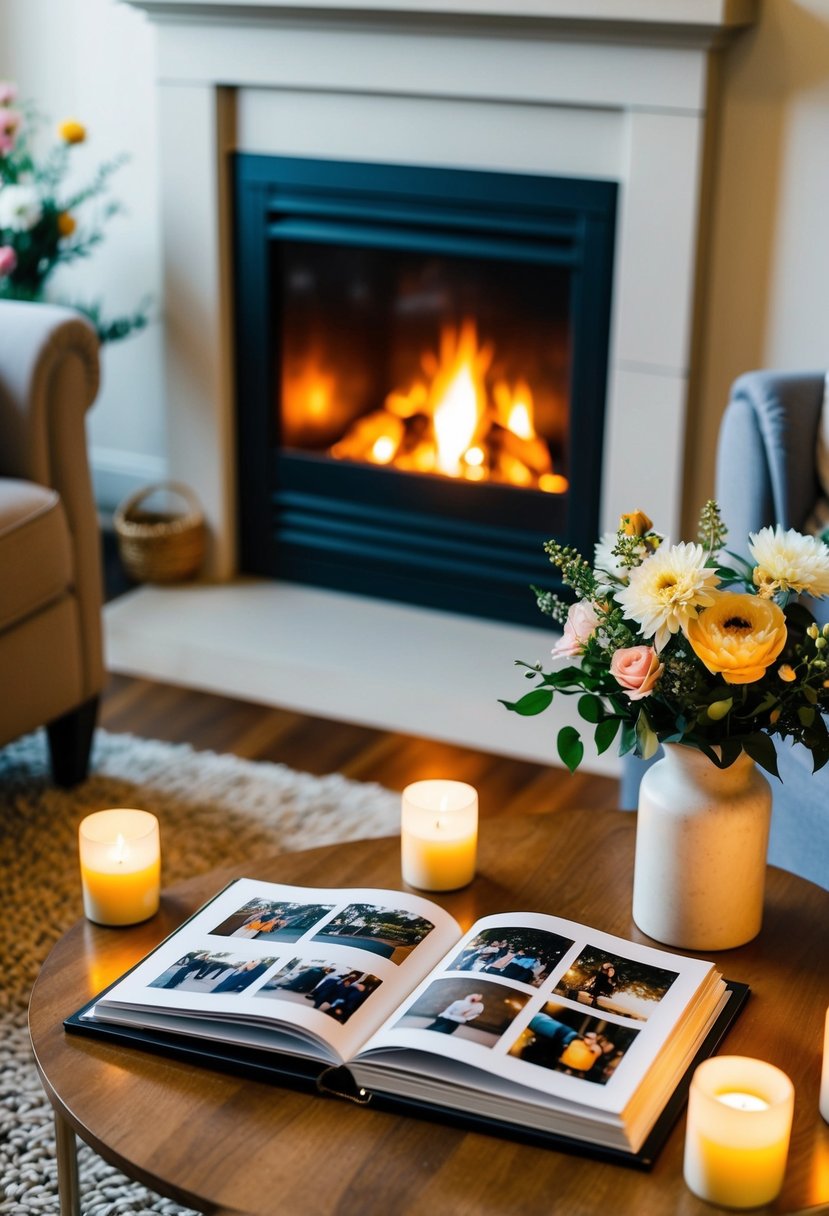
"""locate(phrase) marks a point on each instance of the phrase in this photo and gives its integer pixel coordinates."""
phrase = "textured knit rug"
(212, 810)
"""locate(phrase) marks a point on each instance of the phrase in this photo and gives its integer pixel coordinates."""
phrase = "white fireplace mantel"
(616, 90)
(701, 21)
(613, 89)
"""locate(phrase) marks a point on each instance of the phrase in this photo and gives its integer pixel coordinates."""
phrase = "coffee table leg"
(67, 1155)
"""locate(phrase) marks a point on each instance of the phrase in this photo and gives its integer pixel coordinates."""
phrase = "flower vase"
(701, 843)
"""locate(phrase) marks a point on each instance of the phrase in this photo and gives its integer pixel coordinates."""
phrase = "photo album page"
(313, 972)
(546, 1006)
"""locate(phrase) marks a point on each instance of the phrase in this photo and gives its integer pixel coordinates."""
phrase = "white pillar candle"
(737, 1138)
(824, 1077)
(120, 866)
(439, 834)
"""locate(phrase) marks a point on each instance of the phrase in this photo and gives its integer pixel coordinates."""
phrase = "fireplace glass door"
(422, 356)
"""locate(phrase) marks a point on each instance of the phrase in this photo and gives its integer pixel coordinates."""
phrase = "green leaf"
(819, 757)
(531, 703)
(806, 715)
(730, 750)
(647, 742)
(605, 734)
(570, 747)
(628, 741)
(591, 708)
(761, 750)
(810, 694)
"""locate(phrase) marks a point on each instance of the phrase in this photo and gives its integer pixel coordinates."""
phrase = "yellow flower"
(66, 223)
(635, 524)
(787, 674)
(72, 131)
(738, 636)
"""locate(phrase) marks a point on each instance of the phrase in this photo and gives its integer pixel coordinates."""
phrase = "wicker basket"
(161, 547)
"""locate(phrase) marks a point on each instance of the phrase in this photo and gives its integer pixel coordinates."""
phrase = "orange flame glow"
(450, 422)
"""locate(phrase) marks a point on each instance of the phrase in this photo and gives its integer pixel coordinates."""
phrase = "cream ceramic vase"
(701, 843)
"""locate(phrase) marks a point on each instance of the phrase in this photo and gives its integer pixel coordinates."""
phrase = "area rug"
(213, 809)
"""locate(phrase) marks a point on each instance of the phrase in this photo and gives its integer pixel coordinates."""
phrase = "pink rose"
(8, 260)
(579, 627)
(10, 122)
(8, 92)
(637, 668)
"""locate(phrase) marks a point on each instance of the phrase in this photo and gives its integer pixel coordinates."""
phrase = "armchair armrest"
(39, 343)
(49, 375)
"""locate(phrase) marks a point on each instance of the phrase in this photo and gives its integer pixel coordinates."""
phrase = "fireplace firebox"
(422, 359)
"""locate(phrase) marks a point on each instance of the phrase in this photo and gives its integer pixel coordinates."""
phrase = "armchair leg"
(70, 743)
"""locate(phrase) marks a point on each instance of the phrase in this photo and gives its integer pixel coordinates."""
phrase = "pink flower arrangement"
(10, 123)
(8, 260)
(40, 220)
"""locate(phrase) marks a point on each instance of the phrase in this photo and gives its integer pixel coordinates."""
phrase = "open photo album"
(525, 1021)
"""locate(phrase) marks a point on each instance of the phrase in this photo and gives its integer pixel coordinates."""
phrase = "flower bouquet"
(39, 228)
(689, 643)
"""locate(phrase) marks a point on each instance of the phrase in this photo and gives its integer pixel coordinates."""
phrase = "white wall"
(769, 252)
(768, 267)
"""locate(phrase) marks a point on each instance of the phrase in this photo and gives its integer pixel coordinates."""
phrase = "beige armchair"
(51, 660)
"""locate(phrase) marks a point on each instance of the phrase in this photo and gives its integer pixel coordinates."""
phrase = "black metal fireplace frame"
(427, 540)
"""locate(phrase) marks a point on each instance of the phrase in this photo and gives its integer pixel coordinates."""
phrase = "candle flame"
(119, 849)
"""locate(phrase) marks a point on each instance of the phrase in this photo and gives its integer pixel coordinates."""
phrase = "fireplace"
(422, 359)
(582, 90)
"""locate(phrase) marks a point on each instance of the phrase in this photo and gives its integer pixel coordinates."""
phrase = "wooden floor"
(316, 745)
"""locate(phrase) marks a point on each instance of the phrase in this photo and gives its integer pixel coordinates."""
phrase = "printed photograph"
(334, 990)
(569, 1041)
(276, 922)
(205, 971)
(528, 955)
(617, 985)
(472, 1009)
(390, 932)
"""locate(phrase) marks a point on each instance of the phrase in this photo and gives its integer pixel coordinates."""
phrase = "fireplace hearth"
(422, 359)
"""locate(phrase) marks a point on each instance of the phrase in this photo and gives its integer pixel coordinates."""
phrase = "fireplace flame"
(450, 422)
(457, 396)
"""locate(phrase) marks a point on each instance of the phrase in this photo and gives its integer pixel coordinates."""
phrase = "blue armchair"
(766, 475)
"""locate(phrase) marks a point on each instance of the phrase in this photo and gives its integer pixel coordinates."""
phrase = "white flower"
(666, 589)
(789, 561)
(606, 563)
(20, 207)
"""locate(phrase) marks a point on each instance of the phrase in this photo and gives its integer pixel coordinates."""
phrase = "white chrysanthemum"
(789, 561)
(20, 207)
(666, 589)
(605, 563)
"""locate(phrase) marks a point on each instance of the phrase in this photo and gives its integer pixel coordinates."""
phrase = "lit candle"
(120, 866)
(439, 834)
(824, 1077)
(739, 1124)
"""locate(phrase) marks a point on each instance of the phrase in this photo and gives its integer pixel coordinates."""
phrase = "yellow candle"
(824, 1075)
(739, 1124)
(120, 866)
(439, 834)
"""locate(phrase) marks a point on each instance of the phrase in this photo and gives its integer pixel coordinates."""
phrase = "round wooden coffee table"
(221, 1143)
